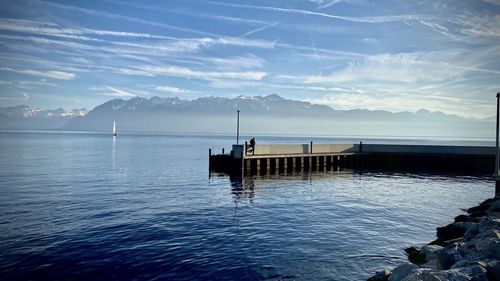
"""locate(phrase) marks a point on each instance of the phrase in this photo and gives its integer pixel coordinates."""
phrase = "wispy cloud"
(172, 90)
(184, 72)
(162, 45)
(387, 67)
(494, 2)
(260, 29)
(238, 20)
(49, 74)
(406, 102)
(115, 92)
(375, 19)
(478, 25)
(52, 29)
(234, 84)
(115, 16)
(403, 68)
(25, 95)
(30, 84)
(445, 81)
(136, 72)
(80, 60)
(248, 61)
(327, 3)
(189, 13)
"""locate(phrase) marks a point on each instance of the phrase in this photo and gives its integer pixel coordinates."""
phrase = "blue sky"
(390, 55)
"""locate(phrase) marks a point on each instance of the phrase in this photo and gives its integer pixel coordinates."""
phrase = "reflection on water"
(113, 152)
(244, 188)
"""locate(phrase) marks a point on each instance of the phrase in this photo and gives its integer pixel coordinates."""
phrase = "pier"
(271, 159)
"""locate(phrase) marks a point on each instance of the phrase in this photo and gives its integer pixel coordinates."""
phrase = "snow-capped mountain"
(268, 105)
(265, 114)
(269, 114)
(25, 117)
(271, 104)
(24, 111)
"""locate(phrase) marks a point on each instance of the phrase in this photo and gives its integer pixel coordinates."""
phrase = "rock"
(489, 233)
(410, 250)
(466, 262)
(489, 223)
(431, 249)
(468, 249)
(417, 257)
(477, 272)
(495, 207)
(489, 201)
(432, 256)
(472, 231)
(441, 275)
(438, 242)
(480, 211)
(380, 276)
(450, 255)
(489, 247)
(493, 270)
(452, 231)
(400, 272)
(416, 276)
(463, 218)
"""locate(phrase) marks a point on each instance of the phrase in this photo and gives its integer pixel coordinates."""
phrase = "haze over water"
(85, 206)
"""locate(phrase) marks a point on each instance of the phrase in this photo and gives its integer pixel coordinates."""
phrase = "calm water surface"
(82, 206)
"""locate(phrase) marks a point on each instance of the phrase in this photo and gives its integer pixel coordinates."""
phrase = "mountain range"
(24, 117)
(269, 114)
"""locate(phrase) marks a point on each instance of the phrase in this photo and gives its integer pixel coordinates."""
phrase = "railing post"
(209, 159)
(246, 147)
(311, 148)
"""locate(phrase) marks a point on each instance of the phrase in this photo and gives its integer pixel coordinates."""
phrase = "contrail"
(376, 19)
(260, 29)
(313, 45)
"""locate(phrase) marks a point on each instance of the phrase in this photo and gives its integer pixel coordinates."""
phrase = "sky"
(390, 55)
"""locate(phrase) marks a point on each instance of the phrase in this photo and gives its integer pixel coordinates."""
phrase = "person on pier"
(251, 147)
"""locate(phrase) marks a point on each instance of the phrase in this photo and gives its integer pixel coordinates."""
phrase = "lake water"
(82, 206)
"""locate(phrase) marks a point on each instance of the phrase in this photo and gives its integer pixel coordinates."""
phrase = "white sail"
(114, 128)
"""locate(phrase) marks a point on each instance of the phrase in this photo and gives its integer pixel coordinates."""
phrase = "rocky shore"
(467, 249)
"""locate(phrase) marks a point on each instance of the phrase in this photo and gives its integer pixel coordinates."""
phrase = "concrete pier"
(271, 159)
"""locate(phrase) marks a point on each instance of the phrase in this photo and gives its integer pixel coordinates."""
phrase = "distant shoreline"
(481, 141)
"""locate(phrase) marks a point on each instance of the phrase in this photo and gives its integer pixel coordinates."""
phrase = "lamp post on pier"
(496, 175)
(238, 129)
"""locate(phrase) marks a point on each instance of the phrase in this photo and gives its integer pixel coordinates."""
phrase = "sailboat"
(114, 129)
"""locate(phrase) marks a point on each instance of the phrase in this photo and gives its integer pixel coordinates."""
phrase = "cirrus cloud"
(172, 90)
(185, 72)
(48, 74)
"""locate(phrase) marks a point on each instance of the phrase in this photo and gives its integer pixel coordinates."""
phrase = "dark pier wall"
(451, 163)
(467, 164)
